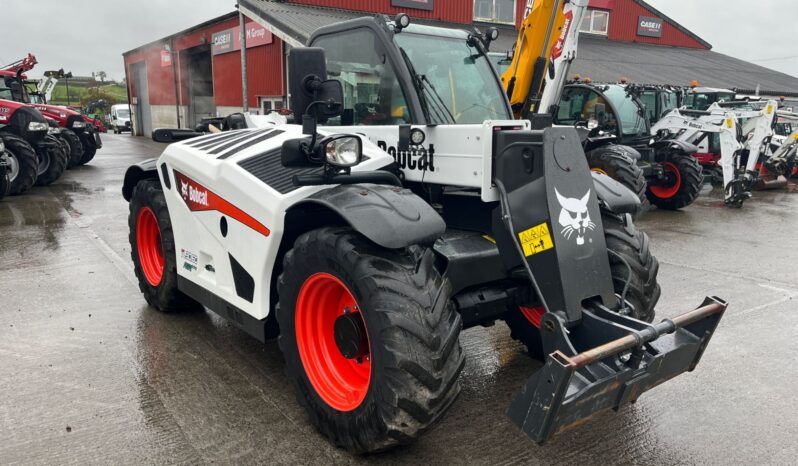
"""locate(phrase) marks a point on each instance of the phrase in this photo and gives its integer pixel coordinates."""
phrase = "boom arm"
(546, 46)
(687, 125)
(21, 66)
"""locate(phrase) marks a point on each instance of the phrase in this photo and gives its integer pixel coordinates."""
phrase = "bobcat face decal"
(575, 217)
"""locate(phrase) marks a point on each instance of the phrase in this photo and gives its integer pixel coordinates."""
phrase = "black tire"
(23, 157)
(163, 296)
(619, 167)
(75, 147)
(626, 245)
(5, 183)
(57, 163)
(412, 328)
(89, 152)
(89, 147)
(686, 188)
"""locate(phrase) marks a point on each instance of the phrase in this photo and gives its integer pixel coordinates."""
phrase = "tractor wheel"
(24, 163)
(153, 249)
(5, 182)
(619, 167)
(52, 163)
(630, 261)
(89, 152)
(684, 181)
(75, 147)
(370, 338)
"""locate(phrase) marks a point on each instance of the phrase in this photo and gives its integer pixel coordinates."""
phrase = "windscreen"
(457, 82)
(123, 113)
(630, 113)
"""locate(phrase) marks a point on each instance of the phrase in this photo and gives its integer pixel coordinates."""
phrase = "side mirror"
(311, 92)
(601, 115)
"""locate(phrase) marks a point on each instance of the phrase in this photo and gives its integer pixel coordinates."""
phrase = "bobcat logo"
(574, 217)
(184, 189)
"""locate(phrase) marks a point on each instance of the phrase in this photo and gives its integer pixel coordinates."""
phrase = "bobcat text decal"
(199, 199)
(417, 158)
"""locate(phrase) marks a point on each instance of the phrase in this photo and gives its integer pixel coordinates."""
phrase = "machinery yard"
(92, 374)
(400, 232)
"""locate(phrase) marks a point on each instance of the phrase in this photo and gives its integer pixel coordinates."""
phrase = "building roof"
(608, 61)
(184, 32)
(601, 59)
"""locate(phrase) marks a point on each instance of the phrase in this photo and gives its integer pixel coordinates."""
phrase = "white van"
(120, 118)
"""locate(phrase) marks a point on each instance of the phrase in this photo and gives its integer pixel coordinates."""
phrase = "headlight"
(79, 124)
(343, 151)
(37, 126)
(2, 147)
(53, 130)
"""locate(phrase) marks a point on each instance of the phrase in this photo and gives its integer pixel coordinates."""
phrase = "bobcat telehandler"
(400, 211)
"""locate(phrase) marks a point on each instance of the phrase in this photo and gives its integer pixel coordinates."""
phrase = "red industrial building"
(178, 80)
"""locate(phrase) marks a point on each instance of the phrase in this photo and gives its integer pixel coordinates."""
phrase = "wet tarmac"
(90, 375)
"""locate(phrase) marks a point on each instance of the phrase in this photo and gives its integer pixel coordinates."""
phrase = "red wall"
(264, 75)
(623, 27)
(265, 70)
(456, 11)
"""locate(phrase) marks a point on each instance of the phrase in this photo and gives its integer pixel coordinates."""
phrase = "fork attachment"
(607, 361)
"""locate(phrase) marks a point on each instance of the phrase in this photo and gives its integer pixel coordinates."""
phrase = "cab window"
(578, 105)
(372, 93)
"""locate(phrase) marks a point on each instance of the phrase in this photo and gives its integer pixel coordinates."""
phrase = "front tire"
(75, 147)
(401, 373)
(57, 162)
(89, 148)
(153, 249)
(24, 163)
(625, 245)
(685, 178)
(619, 167)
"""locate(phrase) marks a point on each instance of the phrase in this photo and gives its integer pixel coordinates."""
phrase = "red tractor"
(82, 137)
(33, 154)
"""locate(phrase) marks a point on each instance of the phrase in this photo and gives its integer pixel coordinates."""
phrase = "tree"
(101, 75)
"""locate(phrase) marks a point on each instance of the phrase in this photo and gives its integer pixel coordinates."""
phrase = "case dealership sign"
(229, 40)
(649, 27)
(416, 4)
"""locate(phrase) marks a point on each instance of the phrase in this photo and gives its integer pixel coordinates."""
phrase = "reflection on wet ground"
(90, 375)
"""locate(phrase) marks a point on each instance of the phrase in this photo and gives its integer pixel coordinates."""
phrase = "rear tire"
(411, 338)
(688, 178)
(624, 241)
(58, 161)
(619, 167)
(75, 147)
(153, 249)
(24, 163)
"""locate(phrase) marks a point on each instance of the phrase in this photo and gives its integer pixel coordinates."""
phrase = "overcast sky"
(90, 35)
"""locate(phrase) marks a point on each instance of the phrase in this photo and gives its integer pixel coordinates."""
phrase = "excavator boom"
(546, 46)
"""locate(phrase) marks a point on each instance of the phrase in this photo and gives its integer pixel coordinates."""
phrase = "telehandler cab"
(368, 248)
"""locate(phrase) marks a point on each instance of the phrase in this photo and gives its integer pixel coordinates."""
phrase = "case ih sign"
(230, 41)
(416, 4)
(649, 27)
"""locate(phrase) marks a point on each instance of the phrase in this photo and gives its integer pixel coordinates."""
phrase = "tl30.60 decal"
(417, 158)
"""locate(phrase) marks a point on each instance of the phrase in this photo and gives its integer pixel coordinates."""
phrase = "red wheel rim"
(667, 192)
(148, 240)
(533, 314)
(342, 383)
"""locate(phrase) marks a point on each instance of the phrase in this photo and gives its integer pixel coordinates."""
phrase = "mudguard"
(389, 216)
(685, 147)
(146, 170)
(614, 196)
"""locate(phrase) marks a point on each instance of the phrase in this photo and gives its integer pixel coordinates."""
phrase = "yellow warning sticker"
(536, 240)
